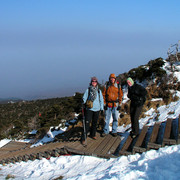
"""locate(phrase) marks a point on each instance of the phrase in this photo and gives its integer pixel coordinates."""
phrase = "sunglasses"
(94, 81)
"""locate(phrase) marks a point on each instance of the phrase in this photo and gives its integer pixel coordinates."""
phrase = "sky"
(51, 48)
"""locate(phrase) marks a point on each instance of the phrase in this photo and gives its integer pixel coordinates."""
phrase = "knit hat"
(130, 79)
(94, 79)
(112, 76)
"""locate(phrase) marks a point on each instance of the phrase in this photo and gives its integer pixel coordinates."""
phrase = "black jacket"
(137, 94)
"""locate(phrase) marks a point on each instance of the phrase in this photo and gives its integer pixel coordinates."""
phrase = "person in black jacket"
(137, 95)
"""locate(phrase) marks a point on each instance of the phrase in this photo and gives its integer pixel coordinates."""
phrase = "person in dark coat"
(137, 95)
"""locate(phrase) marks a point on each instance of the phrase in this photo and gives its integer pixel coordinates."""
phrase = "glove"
(118, 108)
(105, 108)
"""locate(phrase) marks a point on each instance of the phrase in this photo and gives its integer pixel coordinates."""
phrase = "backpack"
(107, 86)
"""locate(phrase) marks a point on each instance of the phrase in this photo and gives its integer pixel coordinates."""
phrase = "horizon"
(51, 49)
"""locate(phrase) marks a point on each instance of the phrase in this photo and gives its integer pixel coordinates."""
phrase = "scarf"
(93, 93)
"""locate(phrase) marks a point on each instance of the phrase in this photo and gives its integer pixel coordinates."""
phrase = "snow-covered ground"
(161, 164)
(154, 164)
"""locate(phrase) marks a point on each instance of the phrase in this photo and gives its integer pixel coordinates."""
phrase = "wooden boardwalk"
(102, 147)
(151, 137)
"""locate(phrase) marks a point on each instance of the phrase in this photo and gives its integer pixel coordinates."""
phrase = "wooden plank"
(102, 145)
(74, 151)
(178, 141)
(109, 148)
(169, 142)
(127, 143)
(167, 131)
(42, 149)
(152, 144)
(97, 148)
(74, 144)
(90, 143)
(111, 152)
(174, 129)
(91, 149)
(138, 145)
(141, 136)
(166, 139)
(124, 150)
(154, 133)
(13, 146)
(78, 148)
(109, 145)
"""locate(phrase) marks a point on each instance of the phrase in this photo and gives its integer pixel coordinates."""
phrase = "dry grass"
(125, 120)
(9, 176)
(125, 107)
(153, 104)
(175, 98)
(171, 112)
(58, 178)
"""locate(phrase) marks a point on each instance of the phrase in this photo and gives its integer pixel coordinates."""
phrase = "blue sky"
(51, 48)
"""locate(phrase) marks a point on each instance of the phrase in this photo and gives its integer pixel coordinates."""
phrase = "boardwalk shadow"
(73, 134)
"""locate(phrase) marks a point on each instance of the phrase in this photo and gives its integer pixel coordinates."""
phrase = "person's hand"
(102, 112)
(118, 108)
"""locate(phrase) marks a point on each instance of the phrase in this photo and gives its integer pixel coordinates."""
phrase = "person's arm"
(101, 101)
(104, 94)
(120, 95)
(85, 96)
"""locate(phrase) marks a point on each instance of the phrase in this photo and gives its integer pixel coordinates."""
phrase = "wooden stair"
(151, 137)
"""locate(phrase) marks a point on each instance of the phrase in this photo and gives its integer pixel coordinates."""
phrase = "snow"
(49, 137)
(33, 132)
(154, 164)
(161, 164)
(4, 142)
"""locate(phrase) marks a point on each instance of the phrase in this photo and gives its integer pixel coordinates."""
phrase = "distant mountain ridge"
(10, 100)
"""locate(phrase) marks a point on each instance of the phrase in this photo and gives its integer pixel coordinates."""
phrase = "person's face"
(94, 83)
(112, 80)
(129, 83)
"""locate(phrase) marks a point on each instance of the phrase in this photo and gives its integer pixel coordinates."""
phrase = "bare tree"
(173, 51)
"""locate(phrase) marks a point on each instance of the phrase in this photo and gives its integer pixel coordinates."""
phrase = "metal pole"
(84, 125)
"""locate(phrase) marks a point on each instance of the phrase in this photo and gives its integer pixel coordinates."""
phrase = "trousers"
(135, 112)
(90, 117)
(111, 111)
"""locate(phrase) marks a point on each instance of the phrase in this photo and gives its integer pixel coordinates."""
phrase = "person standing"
(137, 95)
(112, 94)
(93, 101)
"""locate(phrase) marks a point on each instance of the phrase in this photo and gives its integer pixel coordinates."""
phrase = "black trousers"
(135, 112)
(90, 116)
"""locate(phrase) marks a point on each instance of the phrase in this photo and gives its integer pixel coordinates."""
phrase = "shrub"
(155, 69)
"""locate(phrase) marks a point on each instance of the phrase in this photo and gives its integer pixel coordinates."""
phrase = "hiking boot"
(114, 134)
(94, 137)
(83, 142)
(133, 135)
(103, 134)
